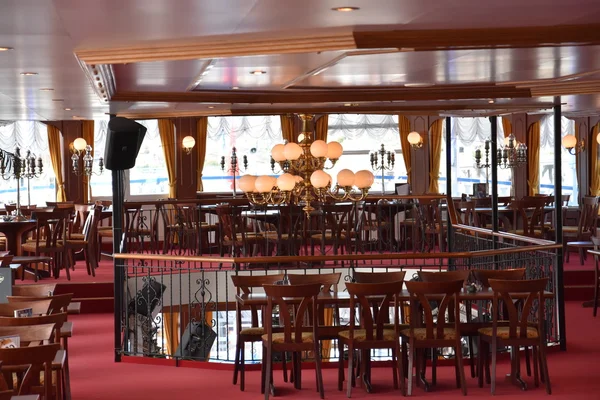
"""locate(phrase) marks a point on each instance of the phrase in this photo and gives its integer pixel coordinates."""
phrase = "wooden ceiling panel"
(159, 75)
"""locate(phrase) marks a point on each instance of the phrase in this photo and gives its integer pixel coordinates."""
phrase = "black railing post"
(119, 264)
(560, 292)
(450, 235)
(494, 147)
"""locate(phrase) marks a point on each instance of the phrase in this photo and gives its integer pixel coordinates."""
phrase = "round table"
(14, 231)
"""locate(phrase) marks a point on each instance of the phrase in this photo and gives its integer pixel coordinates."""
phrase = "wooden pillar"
(419, 174)
(70, 130)
(186, 164)
(583, 131)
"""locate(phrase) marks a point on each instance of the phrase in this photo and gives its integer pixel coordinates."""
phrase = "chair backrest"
(446, 276)
(60, 204)
(5, 261)
(530, 211)
(419, 292)
(90, 228)
(56, 320)
(36, 290)
(504, 289)
(58, 303)
(30, 334)
(37, 307)
(81, 214)
(565, 199)
(51, 227)
(327, 281)
(244, 284)
(484, 275)
(374, 315)
(465, 212)
(378, 277)
(38, 358)
(588, 216)
(293, 318)
(231, 222)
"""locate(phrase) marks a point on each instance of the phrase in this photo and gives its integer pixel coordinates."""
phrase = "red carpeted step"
(578, 277)
(86, 289)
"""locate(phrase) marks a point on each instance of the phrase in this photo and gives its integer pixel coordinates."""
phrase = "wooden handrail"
(505, 235)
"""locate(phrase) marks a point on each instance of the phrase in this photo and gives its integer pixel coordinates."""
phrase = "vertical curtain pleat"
(506, 126)
(328, 319)
(201, 130)
(533, 158)
(166, 129)
(287, 128)
(577, 162)
(435, 154)
(171, 327)
(55, 157)
(88, 136)
(404, 128)
(595, 163)
(321, 128)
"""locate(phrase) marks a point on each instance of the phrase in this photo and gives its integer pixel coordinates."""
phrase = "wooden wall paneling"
(592, 121)
(531, 119)
(70, 130)
(187, 164)
(583, 132)
(419, 176)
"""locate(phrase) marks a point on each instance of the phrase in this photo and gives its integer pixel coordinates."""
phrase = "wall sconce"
(415, 140)
(188, 143)
(598, 138)
(570, 143)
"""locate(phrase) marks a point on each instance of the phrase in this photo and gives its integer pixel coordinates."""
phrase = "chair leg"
(411, 358)
(242, 367)
(471, 357)
(267, 377)
(340, 365)
(544, 364)
(400, 361)
(236, 362)
(480, 362)
(596, 284)
(284, 366)
(457, 375)
(461, 370)
(395, 355)
(493, 375)
(263, 370)
(536, 379)
(350, 369)
(527, 361)
(434, 357)
(319, 373)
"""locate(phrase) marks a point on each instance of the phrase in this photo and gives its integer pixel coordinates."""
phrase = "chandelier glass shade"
(303, 179)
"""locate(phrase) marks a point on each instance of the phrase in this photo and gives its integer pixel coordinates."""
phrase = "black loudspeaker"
(196, 341)
(147, 299)
(123, 141)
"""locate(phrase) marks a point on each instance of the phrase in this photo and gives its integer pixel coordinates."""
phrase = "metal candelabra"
(485, 165)
(234, 166)
(13, 166)
(382, 160)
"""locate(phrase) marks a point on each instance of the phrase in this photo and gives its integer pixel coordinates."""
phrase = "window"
(32, 136)
(468, 135)
(252, 136)
(360, 135)
(148, 177)
(569, 167)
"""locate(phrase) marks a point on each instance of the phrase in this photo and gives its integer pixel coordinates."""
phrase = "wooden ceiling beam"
(449, 92)
(441, 39)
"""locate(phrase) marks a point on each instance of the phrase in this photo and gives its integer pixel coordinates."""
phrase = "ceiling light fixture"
(58, 99)
(258, 72)
(211, 106)
(418, 84)
(46, 89)
(68, 109)
(6, 48)
(235, 87)
(345, 9)
(491, 101)
(29, 73)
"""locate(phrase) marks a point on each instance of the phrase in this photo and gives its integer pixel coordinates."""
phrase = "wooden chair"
(580, 237)
(596, 242)
(374, 331)
(87, 244)
(287, 239)
(378, 277)
(39, 307)
(51, 229)
(245, 284)
(58, 303)
(295, 338)
(434, 334)
(234, 233)
(81, 213)
(465, 213)
(32, 361)
(37, 290)
(519, 331)
(60, 364)
(530, 215)
(335, 228)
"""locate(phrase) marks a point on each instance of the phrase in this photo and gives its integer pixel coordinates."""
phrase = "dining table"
(507, 214)
(14, 231)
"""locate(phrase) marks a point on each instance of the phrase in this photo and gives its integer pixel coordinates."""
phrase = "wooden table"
(14, 231)
(505, 213)
(26, 397)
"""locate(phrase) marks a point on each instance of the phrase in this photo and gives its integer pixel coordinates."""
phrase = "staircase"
(95, 297)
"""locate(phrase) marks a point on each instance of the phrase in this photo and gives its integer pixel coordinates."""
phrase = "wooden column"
(583, 130)
(419, 174)
(70, 130)
(186, 164)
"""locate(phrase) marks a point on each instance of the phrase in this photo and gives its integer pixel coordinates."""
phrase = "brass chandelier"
(304, 179)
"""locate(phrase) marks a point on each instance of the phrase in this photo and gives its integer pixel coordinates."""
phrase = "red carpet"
(574, 374)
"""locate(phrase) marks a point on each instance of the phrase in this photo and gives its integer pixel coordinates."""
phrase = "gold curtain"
(201, 130)
(166, 129)
(321, 128)
(507, 126)
(88, 136)
(577, 159)
(55, 157)
(435, 154)
(328, 319)
(595, 164)
(404, 128)
(533, 158)
(171, 327)
(287, 128)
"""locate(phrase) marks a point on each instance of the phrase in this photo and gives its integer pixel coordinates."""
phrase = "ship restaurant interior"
(399, 197)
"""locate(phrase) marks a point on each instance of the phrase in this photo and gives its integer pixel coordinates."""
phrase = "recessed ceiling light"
(211, 106)
(347, 105)
(418, 84)
(68, 109)
(29, 73)
(5, 48)
(345, 9)
(58, 99)
(235, 87)
(46, 89)
(258, 72)
(491, 101)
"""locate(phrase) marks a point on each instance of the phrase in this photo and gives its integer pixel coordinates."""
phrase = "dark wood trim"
(484, 38)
